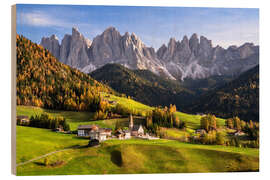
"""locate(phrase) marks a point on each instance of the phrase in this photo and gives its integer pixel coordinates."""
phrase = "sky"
(153, 25)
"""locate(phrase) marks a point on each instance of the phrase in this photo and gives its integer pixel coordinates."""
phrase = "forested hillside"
(200, 86)
(143, 85)
(45, 82)
(239, 97)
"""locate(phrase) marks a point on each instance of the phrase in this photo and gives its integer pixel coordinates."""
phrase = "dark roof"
(86, 126)
(119, 132)
(22, 117)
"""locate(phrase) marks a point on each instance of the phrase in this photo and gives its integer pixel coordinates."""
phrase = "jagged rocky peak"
(184, 45)
(205, 43)
(161, 51)
(128, 50)
(171, 46)
(111, 33)
(65, 48)
(75, 31)
(197, 58)
(78, 36)
(77, 50)
(205, 52)
(185, 40)
(194, 44)
(246, 50)
(54, 37)
(189, 58)
(52, 44)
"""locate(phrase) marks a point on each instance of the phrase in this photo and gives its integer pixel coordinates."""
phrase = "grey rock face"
(73, 50)
(52, 44)
(109, 47)
(194, 44)
(128, 50)
(78, 50)
(199, 59)
(188, 58)
(65, 48)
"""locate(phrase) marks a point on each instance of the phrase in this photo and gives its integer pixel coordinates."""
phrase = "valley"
(103, 84)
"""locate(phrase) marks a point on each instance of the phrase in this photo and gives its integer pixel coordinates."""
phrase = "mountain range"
(193, 58)
(222, 95)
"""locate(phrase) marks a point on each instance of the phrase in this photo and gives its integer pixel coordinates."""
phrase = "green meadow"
(123, 156)
(126, 156)
(81, 118)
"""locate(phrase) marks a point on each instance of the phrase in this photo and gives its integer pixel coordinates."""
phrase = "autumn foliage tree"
(209, 122)
(163, 117)
(43, 81)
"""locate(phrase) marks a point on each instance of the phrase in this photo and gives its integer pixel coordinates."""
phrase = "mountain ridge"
(143, 85)
(194, 58)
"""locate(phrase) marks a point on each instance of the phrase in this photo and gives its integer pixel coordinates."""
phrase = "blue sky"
(154, 25)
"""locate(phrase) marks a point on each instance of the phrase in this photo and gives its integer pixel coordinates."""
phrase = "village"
(97, 134)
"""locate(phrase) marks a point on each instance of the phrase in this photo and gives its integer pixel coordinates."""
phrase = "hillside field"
(128, 156)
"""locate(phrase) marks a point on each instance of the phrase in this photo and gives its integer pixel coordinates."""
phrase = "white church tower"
(130, 122)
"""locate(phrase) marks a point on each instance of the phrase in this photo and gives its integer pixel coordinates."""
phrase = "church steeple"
(130, 122)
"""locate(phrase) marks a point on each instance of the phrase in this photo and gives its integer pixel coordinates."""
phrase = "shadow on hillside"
(116, 158)
(39, 163)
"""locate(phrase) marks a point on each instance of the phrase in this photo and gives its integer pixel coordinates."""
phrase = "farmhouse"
(94, 132)
(23, 120)
(123, 134)
(84, 130)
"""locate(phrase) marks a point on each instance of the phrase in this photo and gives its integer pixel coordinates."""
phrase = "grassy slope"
(34, 142)
(193, 121)
(129, 156)
(74, 118)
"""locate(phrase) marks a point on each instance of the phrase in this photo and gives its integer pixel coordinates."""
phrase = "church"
(135, 130)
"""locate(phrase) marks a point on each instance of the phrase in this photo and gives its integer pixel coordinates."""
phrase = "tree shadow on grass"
(39, 163)
(116, 158)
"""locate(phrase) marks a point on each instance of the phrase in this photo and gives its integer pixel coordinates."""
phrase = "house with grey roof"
(94, 132)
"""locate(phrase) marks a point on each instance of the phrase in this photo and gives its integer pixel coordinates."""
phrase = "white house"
(94, 132)
(127, 134)
(120, 134)
(84, 130)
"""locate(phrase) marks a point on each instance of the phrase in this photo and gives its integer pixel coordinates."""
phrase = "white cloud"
(41, 19)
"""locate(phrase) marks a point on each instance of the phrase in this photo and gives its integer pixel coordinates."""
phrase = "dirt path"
(40, 157)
